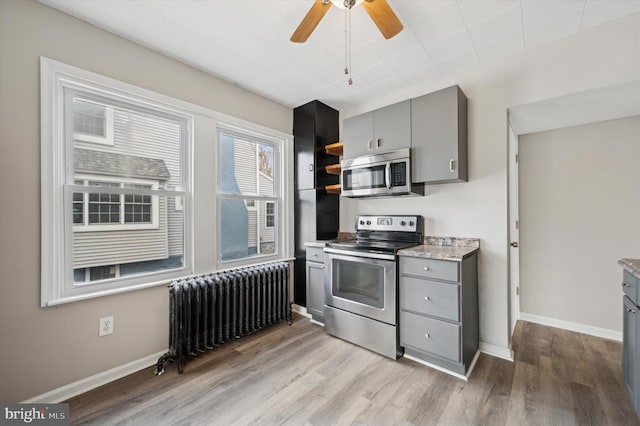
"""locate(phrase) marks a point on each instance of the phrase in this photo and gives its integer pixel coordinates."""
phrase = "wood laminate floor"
(298, 375)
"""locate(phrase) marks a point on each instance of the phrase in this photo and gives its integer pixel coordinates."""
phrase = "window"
(270, 214)
(92, 122)
(115, 176)
(249, 175)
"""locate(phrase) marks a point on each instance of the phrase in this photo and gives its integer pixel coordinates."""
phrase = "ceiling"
(246, 42)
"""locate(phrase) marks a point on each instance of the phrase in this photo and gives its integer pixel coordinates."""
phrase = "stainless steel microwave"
(379, 175)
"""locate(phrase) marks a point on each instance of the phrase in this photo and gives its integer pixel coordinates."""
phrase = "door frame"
(513, 231)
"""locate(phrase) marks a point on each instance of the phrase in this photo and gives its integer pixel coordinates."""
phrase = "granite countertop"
(631, 265)
(445, 248)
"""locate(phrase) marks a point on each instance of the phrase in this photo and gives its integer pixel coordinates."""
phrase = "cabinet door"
(304, 149)
(315, 290)
(392, 127)
(630, 351)
(439, 136)
(357, 135)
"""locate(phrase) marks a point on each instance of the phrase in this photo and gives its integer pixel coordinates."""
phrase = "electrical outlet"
(106, 326)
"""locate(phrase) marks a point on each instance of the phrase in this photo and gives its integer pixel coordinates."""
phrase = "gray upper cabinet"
(383, 130)
(439, 136)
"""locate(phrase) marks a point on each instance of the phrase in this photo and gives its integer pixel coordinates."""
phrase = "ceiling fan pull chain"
(350, 80)
(346, 51)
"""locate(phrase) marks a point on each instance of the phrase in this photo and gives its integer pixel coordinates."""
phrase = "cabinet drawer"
(430, 335)
(430, 297)
(630, 286)
(429, 268)
(315, 254)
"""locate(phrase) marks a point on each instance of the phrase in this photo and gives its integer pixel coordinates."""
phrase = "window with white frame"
(92, 121)
(249, 175)
(115, 177)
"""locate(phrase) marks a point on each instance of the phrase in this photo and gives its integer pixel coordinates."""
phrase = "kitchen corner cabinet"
(382, 130)
(439, 136)
(315, 283)
(631, 338)
(439, 311)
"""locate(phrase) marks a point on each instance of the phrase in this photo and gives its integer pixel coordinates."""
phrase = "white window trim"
(56, 265)
(109, 127)
(155, 206)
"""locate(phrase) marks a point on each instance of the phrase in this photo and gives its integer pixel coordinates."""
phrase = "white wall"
(578, 216)
(44, 348)
(600, 56)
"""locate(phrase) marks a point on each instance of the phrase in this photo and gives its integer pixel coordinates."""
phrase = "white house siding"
(267, 235)
(244, 157)
(124, 246)
(142, 135)
(253, 228)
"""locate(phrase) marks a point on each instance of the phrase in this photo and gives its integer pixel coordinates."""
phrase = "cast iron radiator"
(209, 310)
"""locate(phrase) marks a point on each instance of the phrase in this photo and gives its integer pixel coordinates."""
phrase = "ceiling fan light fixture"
(346, 4)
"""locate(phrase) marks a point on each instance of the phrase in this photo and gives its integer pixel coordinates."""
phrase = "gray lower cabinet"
(631, 339)
(315, 283)
(439, 311)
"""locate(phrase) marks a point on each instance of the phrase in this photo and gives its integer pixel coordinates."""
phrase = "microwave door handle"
(387, 175)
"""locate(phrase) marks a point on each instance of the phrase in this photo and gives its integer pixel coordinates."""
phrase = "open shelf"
(333, 189)
(333, 169)
(334, 149)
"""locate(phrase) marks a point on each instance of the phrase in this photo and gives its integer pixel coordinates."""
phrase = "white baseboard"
(300, 310)
(572, 326)
(84, 385)
(464, 377)
(312, 321)
(497, 351)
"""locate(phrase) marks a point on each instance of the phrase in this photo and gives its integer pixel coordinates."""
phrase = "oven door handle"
(387, 175)
(360, 254)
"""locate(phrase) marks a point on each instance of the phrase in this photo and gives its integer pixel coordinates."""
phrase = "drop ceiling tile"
(539, 12)
(420, 75)
(458, 63)
(500, 48)
(392, 85)
(450, 46)
(410, 60)
(438, 24)
(474, 11)
(412, 11)
(379, 73)
(507, 24)
(599, 11)
(553, 30)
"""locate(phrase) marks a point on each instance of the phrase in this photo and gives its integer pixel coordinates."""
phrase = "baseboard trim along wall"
(84, 385)
(497, 351)
(300, 310)
(572, 326)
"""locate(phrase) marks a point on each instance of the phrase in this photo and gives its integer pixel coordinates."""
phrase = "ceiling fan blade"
(383, 16)
(310, 21)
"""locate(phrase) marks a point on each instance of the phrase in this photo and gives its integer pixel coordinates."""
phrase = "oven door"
(361, 283)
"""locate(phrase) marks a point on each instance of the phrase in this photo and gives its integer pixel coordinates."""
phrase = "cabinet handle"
(625, 284)
(310, 167)
(452, 165)
(315, 254)
(631, 311)
(369, 143)
(427, 336)
(377, 142)
(427, 298)
(426, 268)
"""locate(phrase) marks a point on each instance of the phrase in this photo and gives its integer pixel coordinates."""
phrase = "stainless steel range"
(361, 282)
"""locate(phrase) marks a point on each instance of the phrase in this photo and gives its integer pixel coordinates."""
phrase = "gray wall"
(42, 349)
(579, 209)
(597, 57)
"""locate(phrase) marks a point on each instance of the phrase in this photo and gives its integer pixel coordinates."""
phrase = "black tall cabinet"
(317, 217)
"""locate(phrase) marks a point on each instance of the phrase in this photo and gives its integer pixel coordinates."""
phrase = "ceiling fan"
(379, 11)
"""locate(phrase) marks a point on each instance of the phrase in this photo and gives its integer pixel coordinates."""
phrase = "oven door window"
(359, 282)
(364, 178)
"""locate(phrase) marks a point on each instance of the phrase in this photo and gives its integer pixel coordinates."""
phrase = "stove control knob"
(362, 222)
(411, 223)
(368, 222)
(403, 223)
